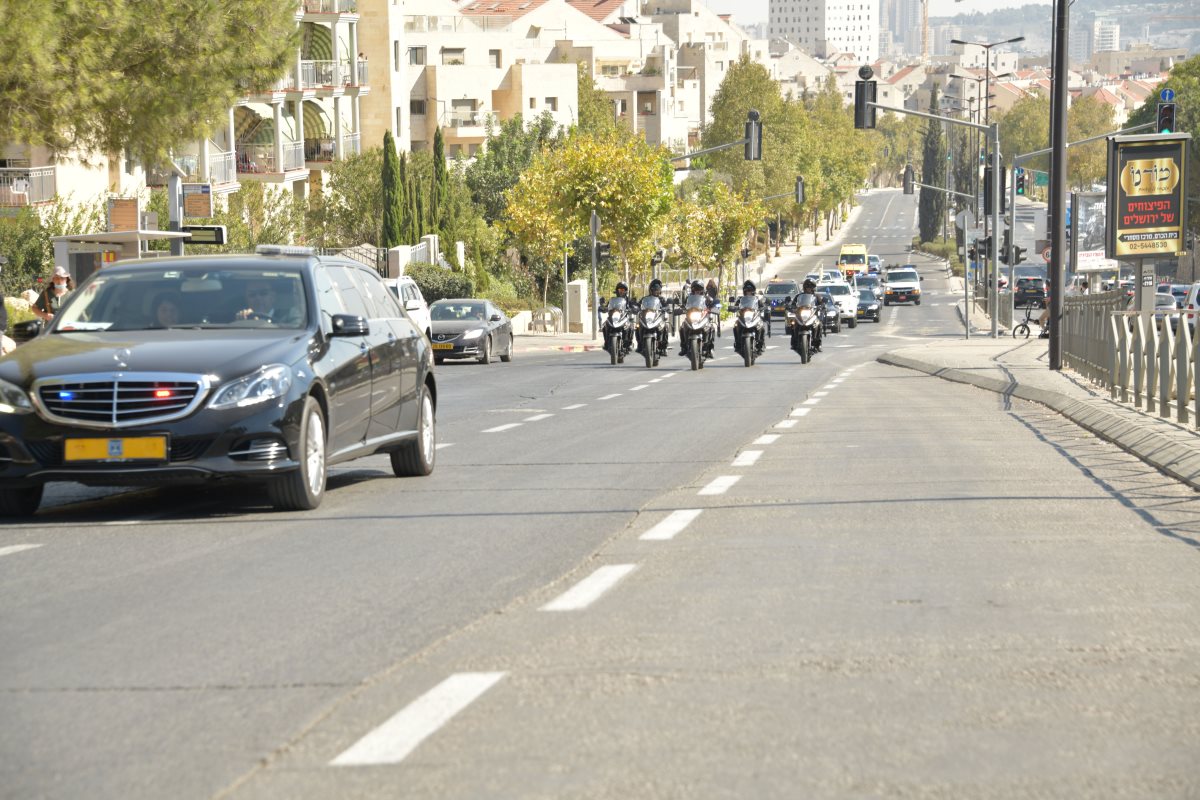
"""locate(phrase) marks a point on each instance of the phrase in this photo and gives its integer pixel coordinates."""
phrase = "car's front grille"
(48, 454)
(117, 400)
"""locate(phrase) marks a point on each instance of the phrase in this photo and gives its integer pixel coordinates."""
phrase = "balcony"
(285, 84)
(452, 24)
(259, 159)
(323, 149)
(27, 186)
(332, 74)
(352, 143)
(468, 119)
(330, 6)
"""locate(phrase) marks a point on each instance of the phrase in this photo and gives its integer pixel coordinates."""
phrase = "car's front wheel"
(304, 488)
(416, 457)
(20, 502)
(485, 357)
(508, 354)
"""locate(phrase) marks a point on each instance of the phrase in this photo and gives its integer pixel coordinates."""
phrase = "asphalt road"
(857, 582)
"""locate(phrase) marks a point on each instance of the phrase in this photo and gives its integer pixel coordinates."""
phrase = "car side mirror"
(922, 278)
(413, 305)
(496, 317)
(350, 325)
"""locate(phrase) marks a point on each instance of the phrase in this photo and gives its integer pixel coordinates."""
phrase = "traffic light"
(1166, 117)
(603, 249)
(799, 191)
(973, 253)
(753, 137)
(1018, 255)
(987, 190)
(864, 115)
(1005, 243)
(908, 179)
(985, 248)
(1020, 181)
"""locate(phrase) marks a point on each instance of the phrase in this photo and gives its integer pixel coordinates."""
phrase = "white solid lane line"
(767, 438)
(404, 732)
(589, 590)
(609, 396)
(800, 412)
(675, 522)
(639, 388)
(17, 548)
(788, 423)
(500, 428)
(572, 408)
(720, 485)
(746, 458)
(538, 417)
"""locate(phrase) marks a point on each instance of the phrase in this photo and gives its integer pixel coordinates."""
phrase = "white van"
(409, 295)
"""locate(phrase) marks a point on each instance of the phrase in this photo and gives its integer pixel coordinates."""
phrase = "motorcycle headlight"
(747, 313)
(473, 334)
(694, 316)
(14, 400)
(806, 315)
(269, 383)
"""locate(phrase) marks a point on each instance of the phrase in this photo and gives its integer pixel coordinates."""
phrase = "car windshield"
(782, 287)
(854, 260)
(837, 289)
(1164, 300)
(444, 311)
(189, 296)
(866, 295)
(902, 275)
(867, 281)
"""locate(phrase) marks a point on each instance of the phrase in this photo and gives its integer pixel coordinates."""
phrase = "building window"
(398, 121)
(610, 70)
(454, 56)
(532, 103)
(416, 56)
(416, 107)
(396, 55)
(552, 103)
(494, 59)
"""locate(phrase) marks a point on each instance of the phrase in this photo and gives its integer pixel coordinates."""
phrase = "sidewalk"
(1020, 369)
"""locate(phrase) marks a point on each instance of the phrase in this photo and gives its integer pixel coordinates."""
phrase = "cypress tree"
(392, 233)
(931, 207)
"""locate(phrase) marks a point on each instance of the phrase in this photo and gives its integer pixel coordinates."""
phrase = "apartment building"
(824, 27)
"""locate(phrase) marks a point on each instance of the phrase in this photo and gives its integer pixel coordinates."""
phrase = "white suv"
(846, 299)
(902, 285)
(406, 291)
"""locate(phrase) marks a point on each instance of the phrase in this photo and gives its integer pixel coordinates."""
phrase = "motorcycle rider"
(622, 291)
(656, 291)
(810, 287)
(750, 290)
(709, 301)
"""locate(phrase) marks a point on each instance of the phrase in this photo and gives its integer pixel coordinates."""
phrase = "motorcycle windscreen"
(805, 300)
(748, 301)
(651, 303)
(696, 301)
(618, 304)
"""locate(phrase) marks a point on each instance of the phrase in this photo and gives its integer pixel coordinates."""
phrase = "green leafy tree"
(748, 86)
(1088, 164)
(708, 226)
(507, 153)
(931, 205)
(1025, 128)
(1185, 80)
(439, 198)
(105, 75)
(350, 209)
(596, 114)
(26, 238)
(392, 233)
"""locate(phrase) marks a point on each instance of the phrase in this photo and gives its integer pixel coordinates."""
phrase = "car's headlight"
(473, 334)
(14, 400)
(271, 382)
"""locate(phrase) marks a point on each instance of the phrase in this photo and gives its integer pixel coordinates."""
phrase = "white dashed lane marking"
(766, 438)
(812, 401)
(675, 522)
(590, 589)
(746, 458)
(720, 485)
(501, 428)
(640, 387)
(538, 417)
(788, 423)
(17, 548)
(392, 741)
(573, 407)
(609, 396)
(800, 412)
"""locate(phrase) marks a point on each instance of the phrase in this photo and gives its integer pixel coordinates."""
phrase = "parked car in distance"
(267, 368)
(1030, 291)
(868, 305)
(409, 294)
(470, 328)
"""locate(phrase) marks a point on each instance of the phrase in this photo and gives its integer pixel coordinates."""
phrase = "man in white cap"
(50, 300)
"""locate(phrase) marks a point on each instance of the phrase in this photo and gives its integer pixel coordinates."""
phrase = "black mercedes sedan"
(267, 367)
(470, 328)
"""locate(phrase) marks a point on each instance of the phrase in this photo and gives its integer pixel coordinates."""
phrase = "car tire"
(416, 458)
(837, 326)
(303, 489)
(508, 354)
(916, 302)
(20, 502)
(439, 359)
(886, 303)
(854, 323)
(486, 358)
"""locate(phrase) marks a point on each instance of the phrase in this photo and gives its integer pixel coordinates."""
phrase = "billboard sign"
(1087, 234)
(1147, 179)
(197, 200)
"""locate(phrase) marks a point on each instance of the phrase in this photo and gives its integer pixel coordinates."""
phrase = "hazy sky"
(750, 11)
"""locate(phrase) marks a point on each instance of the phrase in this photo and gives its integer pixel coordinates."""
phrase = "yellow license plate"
(443, 345)
(131, 448)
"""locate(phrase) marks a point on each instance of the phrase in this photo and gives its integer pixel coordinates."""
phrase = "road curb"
(1177, 459)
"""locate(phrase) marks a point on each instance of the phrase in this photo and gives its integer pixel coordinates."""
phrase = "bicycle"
(1021, 330)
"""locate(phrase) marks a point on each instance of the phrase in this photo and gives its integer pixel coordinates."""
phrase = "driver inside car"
(261, 304)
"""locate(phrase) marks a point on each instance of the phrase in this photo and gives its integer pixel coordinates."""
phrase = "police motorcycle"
(618, 329)
(804, 320)
(697, 329)
(748, 328)
(652, 322)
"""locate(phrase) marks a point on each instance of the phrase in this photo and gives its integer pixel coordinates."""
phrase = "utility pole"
(1058, 178)
(595, 226)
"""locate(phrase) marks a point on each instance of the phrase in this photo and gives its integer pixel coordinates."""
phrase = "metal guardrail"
(1147, 358)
